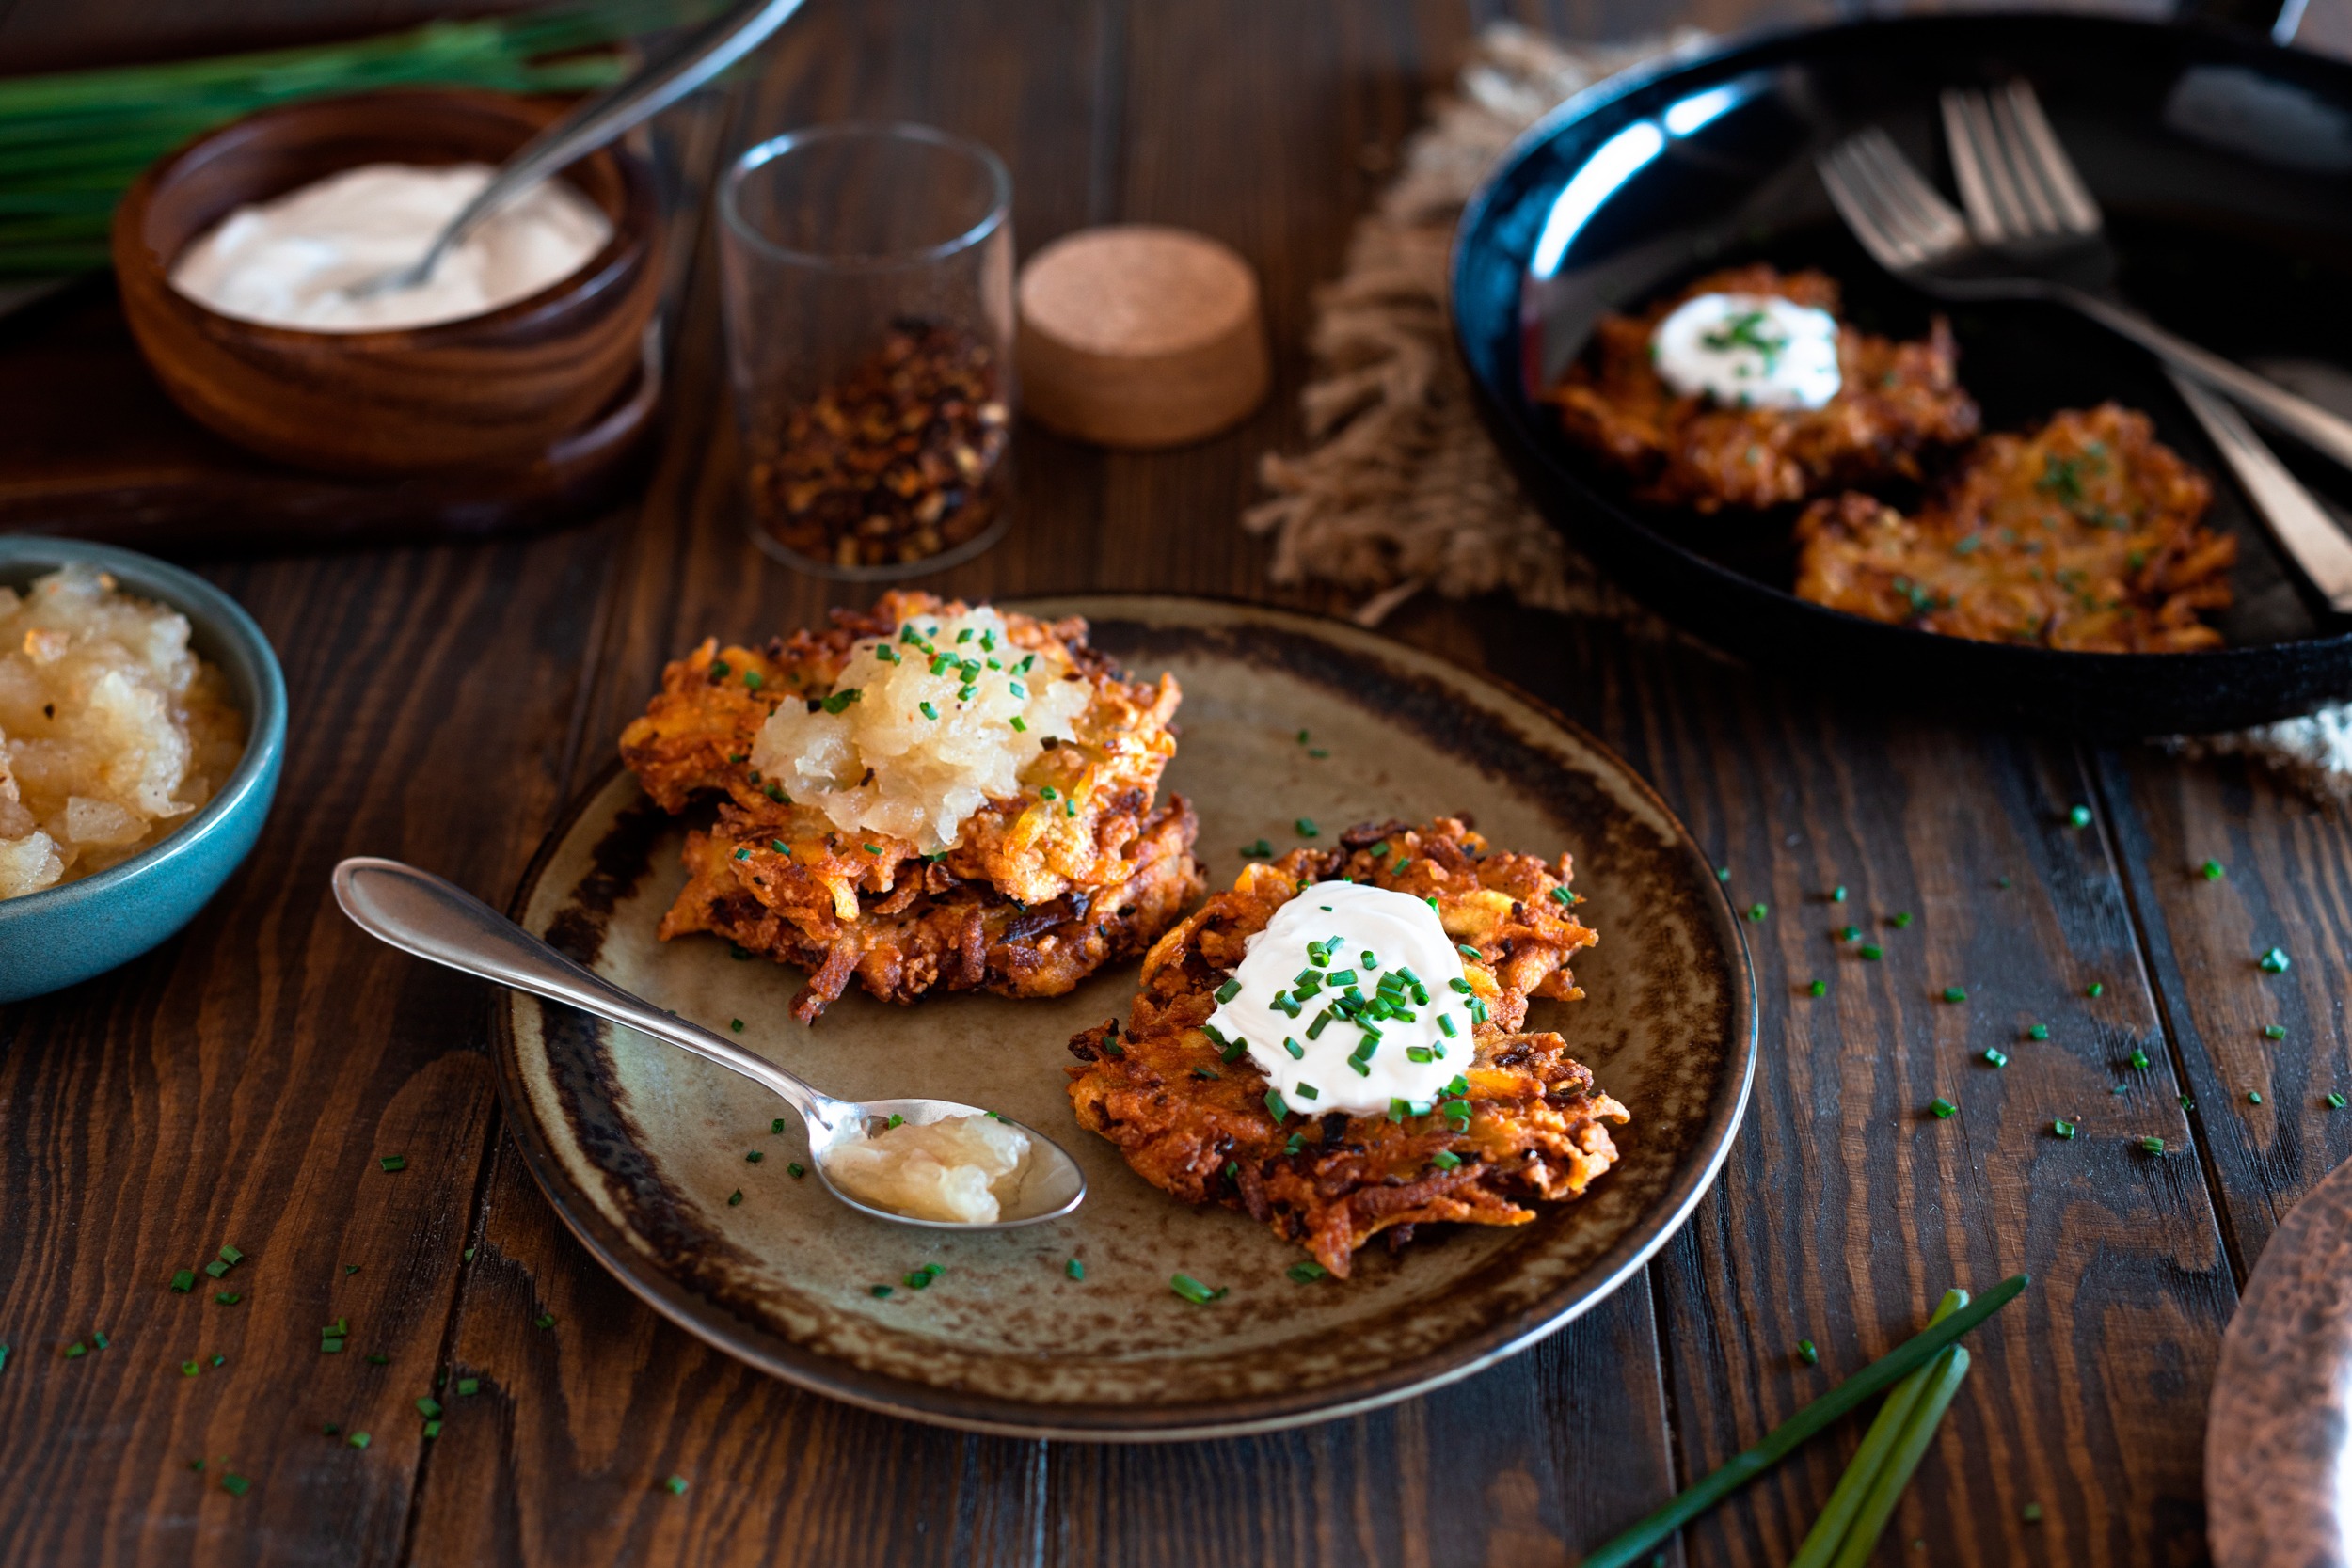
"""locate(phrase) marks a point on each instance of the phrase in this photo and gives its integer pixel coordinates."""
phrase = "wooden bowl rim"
(631, 243)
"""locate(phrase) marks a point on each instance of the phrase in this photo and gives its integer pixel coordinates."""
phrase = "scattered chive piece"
(1997, 1055)
(2213, 871)
(2188, 1105)
(1445, 1159)
(1227, 991)
(2335, 1101)
(677, 1485)
(2274, 1032)
(190, 1369)
(2254, 1097)
(331, 1346)
(1757, 911)
(1954, 993)
(2079, 817)
(380, 1360)
(433, 1429)
(1307, 828)
(2138, 1059)
(1902, 920)
(1942, 1107)
(2096, 988)
(220, 1360)
(1837, 893)
(394, 1161)
(75, 1350)
(359, 1440)
(545, 1320)
(1274, 1105)
(468, 1385)
(2031, 1514)
(1020, 725)
(1470, 952)
(1851, 933)
(1812, 1355)
(743, 854)
(1074, 1269)
(428, 1406)
(2154, 1146)
(1192, 1289)
(878, 1292)
(226, 1298)
(2038, 1032)
(895, 1118)
(1871, 951)
(2273, 962)
(1819, 987)
(2063, 1128)
(1722, 873)
(1305, 1272)
(354, 1268)
(754, 1156)
(736, 1024)
(235, 1485)
(2002, 881)
(795, 1169)
(216, 1268)
(183, 1281)
(735, 1198)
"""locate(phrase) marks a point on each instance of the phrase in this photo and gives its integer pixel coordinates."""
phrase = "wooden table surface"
(240, 1084)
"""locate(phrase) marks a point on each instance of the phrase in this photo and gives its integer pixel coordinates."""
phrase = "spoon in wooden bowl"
(417, 913)
(662, 82)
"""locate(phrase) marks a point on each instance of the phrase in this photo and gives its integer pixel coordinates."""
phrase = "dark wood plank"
(1846, 1207)
(240, 1084)
(2286, 882)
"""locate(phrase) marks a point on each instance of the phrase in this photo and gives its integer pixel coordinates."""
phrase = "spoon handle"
(692, 61)
(417, 913)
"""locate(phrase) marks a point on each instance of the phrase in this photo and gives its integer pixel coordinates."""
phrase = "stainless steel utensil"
(2020, 188)
(417, 913)
(2040, 240)
(692, 61)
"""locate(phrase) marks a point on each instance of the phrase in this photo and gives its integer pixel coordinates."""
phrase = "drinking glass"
(867, 275)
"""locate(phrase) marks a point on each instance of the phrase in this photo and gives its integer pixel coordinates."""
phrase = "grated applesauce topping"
(111, 732)
(923, 728)
(958, 1168)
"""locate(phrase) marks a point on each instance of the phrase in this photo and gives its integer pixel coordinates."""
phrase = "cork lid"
(1137, 335)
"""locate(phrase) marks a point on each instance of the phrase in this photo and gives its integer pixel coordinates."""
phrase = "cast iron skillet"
(2225, 168)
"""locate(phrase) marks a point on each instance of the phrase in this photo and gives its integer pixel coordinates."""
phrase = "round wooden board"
(640, 1146)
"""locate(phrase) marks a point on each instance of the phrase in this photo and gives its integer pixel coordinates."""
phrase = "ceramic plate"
(2220, 164)
(2279, 1436)
(640, 1146)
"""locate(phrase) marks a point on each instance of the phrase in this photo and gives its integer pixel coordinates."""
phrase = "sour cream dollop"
(292, 262)
(1342, 1002)
(1749, 350)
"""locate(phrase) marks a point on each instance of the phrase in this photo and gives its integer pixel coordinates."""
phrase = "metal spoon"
(417, 913)
(692, 61)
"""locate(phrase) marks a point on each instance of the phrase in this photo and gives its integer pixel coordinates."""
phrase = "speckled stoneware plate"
(2279, 1436)
(639, 1145)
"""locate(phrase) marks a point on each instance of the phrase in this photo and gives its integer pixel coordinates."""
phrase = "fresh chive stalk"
(1943, 1380)
(1830, 1530)
(1642, 1537)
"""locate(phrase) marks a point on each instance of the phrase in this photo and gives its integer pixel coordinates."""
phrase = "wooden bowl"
(486, 392)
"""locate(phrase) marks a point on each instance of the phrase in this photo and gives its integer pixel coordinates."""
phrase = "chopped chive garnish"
(1298, 1051)
(895, 1119)
(1274, 1105)
(2038, 1032)
(2079, 817)
(743, 854)
(2095, 989)
(183, 1281)
(1851, 933)
(1307, 1091)
(1445, 1159)
(1902, 919)
(2335, 1101)
(235, 1485)
(677, 1485)
(1819, 987)
(2154, 1146)
(1306, 1272)
(1757, 911)
(754, 1156)
(226, 1298)
(1295, 1142)
(2254, 1097)
(2063, 1128)
(1020, 725)
(2212, 871)
(468, 1385)
(1417, 1053)
(394, 1161)
(1074, 1269)
(735, 1198)
(795, 1169)
(2138, 1059)
(1871, 952)
(1837, 893)
(1339, 977)
(1192, 1289)
(926, 710)
(1307, 828)
(216, 1268)
(842, 698)
(1812, 1355)
(2274, 1032)
(428, 1406)
(1995, 1055)
(1954, 993)
(1942, 1107)
(545, 1320)
(1227, 991)
(1722, 873)
(1563, 896)
(1469, 952)
(2274, 962)
(1207, 1072)
(878, 1292)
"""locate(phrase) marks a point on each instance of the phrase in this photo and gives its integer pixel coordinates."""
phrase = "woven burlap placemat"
(1399, 492)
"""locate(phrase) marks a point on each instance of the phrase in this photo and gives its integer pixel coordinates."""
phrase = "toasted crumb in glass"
(958, 1168)
(112, 733)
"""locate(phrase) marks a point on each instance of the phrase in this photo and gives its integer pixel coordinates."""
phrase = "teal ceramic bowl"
(61, 935)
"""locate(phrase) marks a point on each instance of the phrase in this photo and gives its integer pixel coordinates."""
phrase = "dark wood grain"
(240, 1085)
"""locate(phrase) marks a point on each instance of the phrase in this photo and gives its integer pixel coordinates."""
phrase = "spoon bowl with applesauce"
(932, 1163)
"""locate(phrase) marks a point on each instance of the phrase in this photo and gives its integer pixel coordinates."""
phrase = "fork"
(2040, 238)
(2021, 189)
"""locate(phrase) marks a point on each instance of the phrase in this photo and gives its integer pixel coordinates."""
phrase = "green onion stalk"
(71, 142)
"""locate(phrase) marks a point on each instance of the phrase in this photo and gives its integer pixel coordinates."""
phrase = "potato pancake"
(2083, 534)
(974, 813)
(1895, 402)
(1520, 1121)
